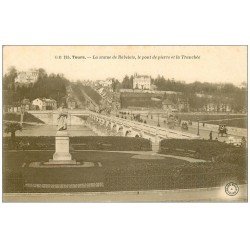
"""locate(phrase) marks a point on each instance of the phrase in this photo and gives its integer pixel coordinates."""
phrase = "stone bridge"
(123, 127)
(110, 125)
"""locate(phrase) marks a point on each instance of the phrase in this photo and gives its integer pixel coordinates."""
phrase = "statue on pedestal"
(62, 137)
(62, 118)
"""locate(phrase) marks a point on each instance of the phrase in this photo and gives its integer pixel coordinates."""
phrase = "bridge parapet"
(145, 129)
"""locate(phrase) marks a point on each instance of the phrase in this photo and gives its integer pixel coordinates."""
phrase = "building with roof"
(71, 103)
(25, 104)
(183, 105)
(45, 103)
(167, 105)
(141, 82)
(217, 107)
(26, 77)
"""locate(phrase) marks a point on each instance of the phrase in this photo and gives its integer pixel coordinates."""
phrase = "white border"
(124, 226)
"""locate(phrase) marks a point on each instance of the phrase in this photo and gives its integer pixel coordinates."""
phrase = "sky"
(215, 64)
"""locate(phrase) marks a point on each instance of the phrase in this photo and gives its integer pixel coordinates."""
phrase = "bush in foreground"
(115, 143)
(207, 150)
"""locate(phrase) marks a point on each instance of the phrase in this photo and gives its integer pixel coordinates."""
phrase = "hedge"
(111, 143)
(117, 174)
(207, 150)
(188, 175)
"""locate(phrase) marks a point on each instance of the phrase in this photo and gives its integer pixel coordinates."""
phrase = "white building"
(44, 103)
(221, 107)
(141, 82)
(27, 77)
(38, 102)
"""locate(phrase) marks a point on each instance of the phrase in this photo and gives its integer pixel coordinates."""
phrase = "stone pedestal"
(62, 174)
(62, 147)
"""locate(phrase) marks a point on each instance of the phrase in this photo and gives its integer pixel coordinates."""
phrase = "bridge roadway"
(134, 128)
(122, 126)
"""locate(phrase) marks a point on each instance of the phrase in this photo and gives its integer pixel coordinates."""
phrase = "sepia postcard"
(124, 123)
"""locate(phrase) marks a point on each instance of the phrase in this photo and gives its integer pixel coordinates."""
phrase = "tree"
(115, 85)
(127, 82)
(9, 86)
(42, 73)
(48, 86)
(12, 127)
(12, 73)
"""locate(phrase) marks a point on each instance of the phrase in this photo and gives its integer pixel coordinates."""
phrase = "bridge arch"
(115, 128)
(127, 133)
(120, 130)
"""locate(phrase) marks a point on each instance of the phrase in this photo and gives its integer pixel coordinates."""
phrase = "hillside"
(75, 91)
(94, 95)
(86, 96)
(143, 100)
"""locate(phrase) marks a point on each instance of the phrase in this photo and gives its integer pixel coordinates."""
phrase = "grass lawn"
(119, 171)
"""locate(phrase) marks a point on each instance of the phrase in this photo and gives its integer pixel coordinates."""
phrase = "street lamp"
(198, 132)
(22, 114)
(158, 120)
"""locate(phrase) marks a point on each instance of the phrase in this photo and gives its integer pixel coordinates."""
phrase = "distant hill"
(143, 100)
(94, 95)
(78, 95)
(86, 96)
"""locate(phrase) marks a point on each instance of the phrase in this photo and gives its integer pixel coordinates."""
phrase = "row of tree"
(163, 84)
(208, 93)
(196, 87)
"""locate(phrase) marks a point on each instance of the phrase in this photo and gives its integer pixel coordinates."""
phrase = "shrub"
(115, 143)
(207, 150)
